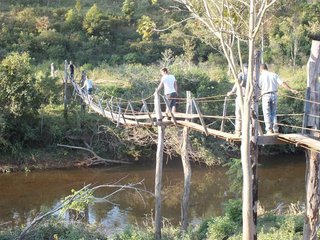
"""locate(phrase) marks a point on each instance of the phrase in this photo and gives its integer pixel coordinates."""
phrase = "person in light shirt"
(242, 77)
(169, 83)
(269, 83)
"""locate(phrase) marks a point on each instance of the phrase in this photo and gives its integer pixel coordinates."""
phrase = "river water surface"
(23, 195)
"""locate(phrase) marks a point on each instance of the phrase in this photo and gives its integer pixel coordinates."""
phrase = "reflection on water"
(23, 195)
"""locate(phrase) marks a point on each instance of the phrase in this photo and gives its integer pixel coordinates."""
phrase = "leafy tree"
(18, 95)
(19, 102)
(146, 27)
(92, 19)
(73, 20)
(128, 7)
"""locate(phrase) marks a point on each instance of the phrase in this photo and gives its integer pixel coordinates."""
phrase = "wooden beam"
(200, 117)
(269, 140)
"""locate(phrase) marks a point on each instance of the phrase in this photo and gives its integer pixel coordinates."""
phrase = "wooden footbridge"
(142, 113)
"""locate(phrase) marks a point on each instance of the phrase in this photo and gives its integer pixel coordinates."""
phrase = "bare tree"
(233, 21)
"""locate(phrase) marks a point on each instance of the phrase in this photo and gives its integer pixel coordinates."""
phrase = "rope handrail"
(293, 126)
(301, 99)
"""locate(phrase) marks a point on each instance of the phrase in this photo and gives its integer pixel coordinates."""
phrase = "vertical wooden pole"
(186, 168)
(254, 140)
(311, 221)
(306, 112)
(65, 89)
(159, 161)
(224, 113)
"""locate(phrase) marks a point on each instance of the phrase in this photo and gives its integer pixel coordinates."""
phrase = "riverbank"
(43, 160)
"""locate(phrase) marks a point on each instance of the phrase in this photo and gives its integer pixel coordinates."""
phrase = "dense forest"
(123, 43)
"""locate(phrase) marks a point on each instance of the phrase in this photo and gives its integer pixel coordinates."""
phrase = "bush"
(233, 210)
(221, 228)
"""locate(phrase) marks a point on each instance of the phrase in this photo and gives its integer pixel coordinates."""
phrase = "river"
(23, 195)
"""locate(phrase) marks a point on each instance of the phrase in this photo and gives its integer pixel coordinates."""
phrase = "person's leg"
(266, 111)
(238, 116)
(274, 113)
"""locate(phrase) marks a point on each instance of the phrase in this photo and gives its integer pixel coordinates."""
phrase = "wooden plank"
(269, 140)
(300, 140)
(216, 133)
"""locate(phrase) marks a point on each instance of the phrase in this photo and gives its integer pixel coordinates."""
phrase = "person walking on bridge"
(71, 68)
(169, 83)
(88, 84)
(269, 83)
(242, 78)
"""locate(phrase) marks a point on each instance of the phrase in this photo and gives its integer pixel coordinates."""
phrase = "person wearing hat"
(242, 77)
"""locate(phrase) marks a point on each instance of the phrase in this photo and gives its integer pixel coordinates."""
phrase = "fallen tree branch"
(77, 196)
(95, 159)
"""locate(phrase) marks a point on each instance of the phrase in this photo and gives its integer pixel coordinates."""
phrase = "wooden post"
(311, 221)
(186, 168)
(65, 109)
(254, 150)
(159, 162)
(200, 117)
(306, 112)
(224, 113)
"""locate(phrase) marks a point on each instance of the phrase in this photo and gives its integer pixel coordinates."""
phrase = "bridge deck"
(143, 119)
(300, 140)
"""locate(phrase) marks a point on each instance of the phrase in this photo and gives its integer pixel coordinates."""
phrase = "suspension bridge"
(142, 113)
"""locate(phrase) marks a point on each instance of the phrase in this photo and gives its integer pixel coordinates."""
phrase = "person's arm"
(159, 87)
(233, 90)
(285, 85)
(84, 84)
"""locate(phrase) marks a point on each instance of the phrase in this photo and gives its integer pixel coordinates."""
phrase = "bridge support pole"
(65, 79)
(186, 169)
(311, 221)
(159, 163)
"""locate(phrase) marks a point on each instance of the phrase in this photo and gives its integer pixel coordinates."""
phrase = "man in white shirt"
(169, 83)
(269, 83)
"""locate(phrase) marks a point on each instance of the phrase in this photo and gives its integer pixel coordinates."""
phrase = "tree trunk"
(248, 228)
(312, 158)
(159, 162)
(186, 169)
(312, 196)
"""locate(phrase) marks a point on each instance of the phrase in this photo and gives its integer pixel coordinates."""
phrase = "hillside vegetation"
(115, 42)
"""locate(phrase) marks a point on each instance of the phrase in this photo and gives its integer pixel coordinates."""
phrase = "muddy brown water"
(23, 195)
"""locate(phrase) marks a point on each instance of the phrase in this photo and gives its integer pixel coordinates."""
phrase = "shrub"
(221, 228)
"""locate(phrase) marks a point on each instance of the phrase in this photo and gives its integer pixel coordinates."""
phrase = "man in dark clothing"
(71, 68)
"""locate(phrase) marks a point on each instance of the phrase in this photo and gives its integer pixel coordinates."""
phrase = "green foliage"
(18, 95)
(233, 210)
(92, 20)
(80, 200)
(221, 228)
(57, 229)
(128, 7)
(146, 27)
(235, 175)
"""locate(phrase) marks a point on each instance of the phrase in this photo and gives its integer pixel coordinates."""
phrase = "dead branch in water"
(95, 160)
(83, 192)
